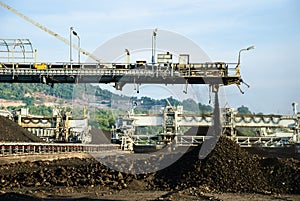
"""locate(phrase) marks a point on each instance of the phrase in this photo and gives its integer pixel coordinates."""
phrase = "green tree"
(190, 105)
(105, 119)
(205, 109)
(41, 110)
(243, 110)
(28, 101)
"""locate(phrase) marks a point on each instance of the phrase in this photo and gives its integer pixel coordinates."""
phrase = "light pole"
(153, 45)
(71, 30)
(237, 69)
(246, 49)
(127, 56)
(75, 34)
(294, 104)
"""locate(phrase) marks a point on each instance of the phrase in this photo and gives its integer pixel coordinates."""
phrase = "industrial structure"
(23, 70)
(60, 127)
(18, 64)
(269, 130)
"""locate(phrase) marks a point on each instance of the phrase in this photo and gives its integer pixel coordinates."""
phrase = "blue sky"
(220, 28)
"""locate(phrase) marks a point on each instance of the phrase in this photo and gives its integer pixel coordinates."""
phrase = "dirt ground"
(97, 193)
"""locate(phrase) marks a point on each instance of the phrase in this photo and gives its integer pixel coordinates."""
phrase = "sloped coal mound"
(227, 168)
(11, 132)
(100, 136)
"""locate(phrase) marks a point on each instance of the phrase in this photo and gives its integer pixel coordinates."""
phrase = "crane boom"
(49, 31)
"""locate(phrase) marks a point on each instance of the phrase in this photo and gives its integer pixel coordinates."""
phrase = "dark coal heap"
(12, 132)
(227, 168)
(100, 136)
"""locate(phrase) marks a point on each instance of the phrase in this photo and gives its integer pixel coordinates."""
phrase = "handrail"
(19, 148)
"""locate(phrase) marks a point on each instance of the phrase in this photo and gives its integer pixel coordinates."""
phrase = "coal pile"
(67, 172)
(283, 175)
(227, 168)
(12, 132)
(100, 136)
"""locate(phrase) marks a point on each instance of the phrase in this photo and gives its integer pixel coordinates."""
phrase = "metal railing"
(265, 141)
(194, 69)
(191, 140)
(109, 70)
(21, 148)
(16, 50)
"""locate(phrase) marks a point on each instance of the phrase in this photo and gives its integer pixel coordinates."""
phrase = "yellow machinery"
(40, 66)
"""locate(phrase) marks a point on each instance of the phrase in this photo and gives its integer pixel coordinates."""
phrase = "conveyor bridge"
(48, 73)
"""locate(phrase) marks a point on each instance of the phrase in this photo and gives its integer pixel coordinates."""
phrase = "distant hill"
(21, 91)
(31, 93)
